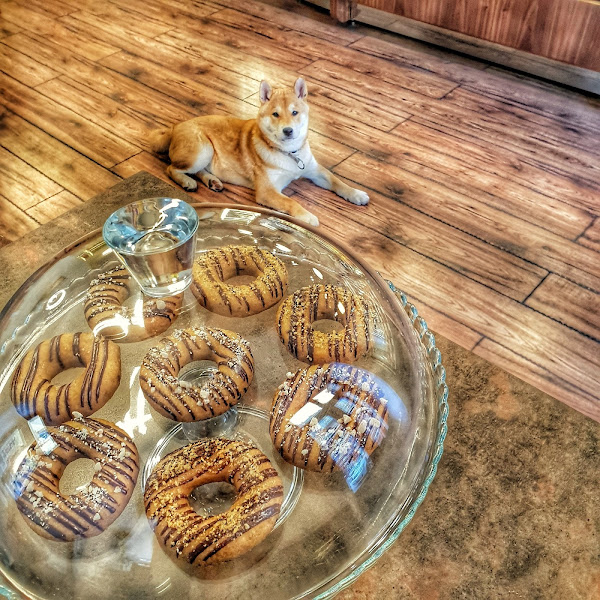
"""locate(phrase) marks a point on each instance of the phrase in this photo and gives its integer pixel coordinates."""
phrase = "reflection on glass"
(332, 417)
(138, 415)
(139, 547)
(55, 299)
(45, 442)
(117, 322)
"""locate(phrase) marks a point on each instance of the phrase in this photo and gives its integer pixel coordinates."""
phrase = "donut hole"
(77, 475)
(67, 376)
(241, 280)
(327, 326)
(212, 498)
(198, 372)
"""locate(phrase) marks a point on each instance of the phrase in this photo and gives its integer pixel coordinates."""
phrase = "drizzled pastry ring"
(89, 512)
(105, 314)
(213, 268)
(33, 394)
(309, 304)
(306, 434)
(182, 401)
(198, 540)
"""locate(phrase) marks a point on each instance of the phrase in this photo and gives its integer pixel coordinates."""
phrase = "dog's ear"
(265, 91)
(300, 88)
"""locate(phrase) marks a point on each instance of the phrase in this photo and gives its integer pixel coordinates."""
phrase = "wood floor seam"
(481, 144)
(515, 351)
(483, 240)
(524, 301)
(435, 260)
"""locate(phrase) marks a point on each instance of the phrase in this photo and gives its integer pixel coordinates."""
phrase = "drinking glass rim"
(193, 215)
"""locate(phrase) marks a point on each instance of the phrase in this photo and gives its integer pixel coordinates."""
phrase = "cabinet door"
(564, 30)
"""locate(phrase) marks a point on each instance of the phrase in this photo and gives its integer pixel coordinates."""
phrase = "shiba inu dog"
(265, 154)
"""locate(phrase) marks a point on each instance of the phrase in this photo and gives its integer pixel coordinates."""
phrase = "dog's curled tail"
(160, 139)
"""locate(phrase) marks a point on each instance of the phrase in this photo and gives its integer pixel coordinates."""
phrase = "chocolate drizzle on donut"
(184, 402)
(325, 443)
(201, 540)
(213, 268)
(309, 304)
(33, 393)
(104, 300)
(91, 510)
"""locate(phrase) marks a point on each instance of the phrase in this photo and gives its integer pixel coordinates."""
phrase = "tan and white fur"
(265, 154)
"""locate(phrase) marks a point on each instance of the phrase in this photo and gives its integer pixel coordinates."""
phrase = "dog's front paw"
(216, 185)
(190, 186)
(309, 218)
(312, 220)
(358, 197)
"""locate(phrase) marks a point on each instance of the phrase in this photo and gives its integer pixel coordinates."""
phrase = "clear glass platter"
(332, 526)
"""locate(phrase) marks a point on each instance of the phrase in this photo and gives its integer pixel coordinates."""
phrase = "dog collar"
(298, 160)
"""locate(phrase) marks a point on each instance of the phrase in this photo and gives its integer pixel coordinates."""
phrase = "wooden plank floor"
(484, 184)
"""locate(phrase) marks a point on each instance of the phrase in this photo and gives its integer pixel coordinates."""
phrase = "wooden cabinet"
(562, 30)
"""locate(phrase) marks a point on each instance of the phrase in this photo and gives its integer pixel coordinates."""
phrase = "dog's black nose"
(287, 131)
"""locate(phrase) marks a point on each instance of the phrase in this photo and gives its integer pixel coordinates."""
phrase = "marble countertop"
(514, 510)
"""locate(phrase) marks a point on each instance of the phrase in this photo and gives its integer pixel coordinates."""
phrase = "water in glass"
(155, 238)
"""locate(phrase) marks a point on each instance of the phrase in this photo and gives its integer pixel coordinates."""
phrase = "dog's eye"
(294, 112)
(275, 114)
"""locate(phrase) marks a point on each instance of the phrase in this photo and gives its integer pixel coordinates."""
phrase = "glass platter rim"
(398, 299)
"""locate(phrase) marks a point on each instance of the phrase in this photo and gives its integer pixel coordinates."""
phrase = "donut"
(309, 304)
(105, 314)
(345, 419)
(213, 268)
(199, 540)
(33, 394)
(182, 401)
(89, 512)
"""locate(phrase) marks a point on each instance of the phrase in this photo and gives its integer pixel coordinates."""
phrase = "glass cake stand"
(331, 527)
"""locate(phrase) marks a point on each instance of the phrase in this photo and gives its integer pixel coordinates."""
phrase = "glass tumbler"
(155, 238)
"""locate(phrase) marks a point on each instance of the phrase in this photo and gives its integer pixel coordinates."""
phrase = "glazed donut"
(105, 314)
(198, 540)
(213, 268)
(182, 401)
(321, 442)
(89, 512)
(309, 304)
(33, 394)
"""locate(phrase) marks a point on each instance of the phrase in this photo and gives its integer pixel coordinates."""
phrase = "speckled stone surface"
(514, 511)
